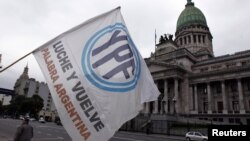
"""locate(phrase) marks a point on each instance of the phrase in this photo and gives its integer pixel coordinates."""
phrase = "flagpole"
(16, 61)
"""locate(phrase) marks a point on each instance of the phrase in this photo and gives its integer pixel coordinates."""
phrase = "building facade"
(192, 81)
(5, 94)
(29, 86)
(5, 99)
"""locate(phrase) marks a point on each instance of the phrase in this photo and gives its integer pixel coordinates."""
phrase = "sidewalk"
(168, 137)
(180, 138)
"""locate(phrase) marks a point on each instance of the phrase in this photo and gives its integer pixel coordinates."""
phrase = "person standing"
(24, 132)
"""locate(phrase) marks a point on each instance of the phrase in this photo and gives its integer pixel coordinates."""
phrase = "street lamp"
(174, 100)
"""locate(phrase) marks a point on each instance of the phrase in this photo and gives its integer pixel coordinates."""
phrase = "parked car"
(58, 121)
(196, 136)
(27, 117)
(32, 119)
(21, 117)
(41, 120)
(5, 116)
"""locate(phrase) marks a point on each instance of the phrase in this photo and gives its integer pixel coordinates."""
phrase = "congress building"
(192, 81)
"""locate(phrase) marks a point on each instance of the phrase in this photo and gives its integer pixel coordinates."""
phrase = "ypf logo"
(110, 60)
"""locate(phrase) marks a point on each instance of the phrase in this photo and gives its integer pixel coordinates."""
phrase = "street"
(51, 132)
(42, 131)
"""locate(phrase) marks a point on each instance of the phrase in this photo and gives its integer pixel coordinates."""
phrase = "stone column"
(155, 107)
(195, 99)
(209, 99)
(207, 40)
(185, 96)
(176, 95)
(166, 95)
(192, 43)
(224, 97)
(197, 39)
(191, 98)
(241, 97)
(156, 102)
(192, 38)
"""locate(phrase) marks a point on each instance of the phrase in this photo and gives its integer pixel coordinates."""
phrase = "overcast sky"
(27, 24)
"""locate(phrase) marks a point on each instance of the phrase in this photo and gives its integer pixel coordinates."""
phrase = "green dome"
(191, 15)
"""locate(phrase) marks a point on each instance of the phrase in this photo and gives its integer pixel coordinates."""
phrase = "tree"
(37, 105)
(16, 105)
(21, 105)
(26, 106)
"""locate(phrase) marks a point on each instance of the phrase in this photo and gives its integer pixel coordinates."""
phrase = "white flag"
(97, 78)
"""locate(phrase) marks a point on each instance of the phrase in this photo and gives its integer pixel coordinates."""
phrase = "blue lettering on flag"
(110, 60)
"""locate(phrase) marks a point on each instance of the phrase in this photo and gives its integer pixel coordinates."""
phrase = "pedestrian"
(24, 132)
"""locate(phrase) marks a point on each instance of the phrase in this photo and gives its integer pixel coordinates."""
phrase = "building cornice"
(224, 58)
(235, 70)
(179, 53)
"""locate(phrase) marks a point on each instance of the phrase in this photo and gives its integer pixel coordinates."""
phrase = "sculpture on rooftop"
(165, 38)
